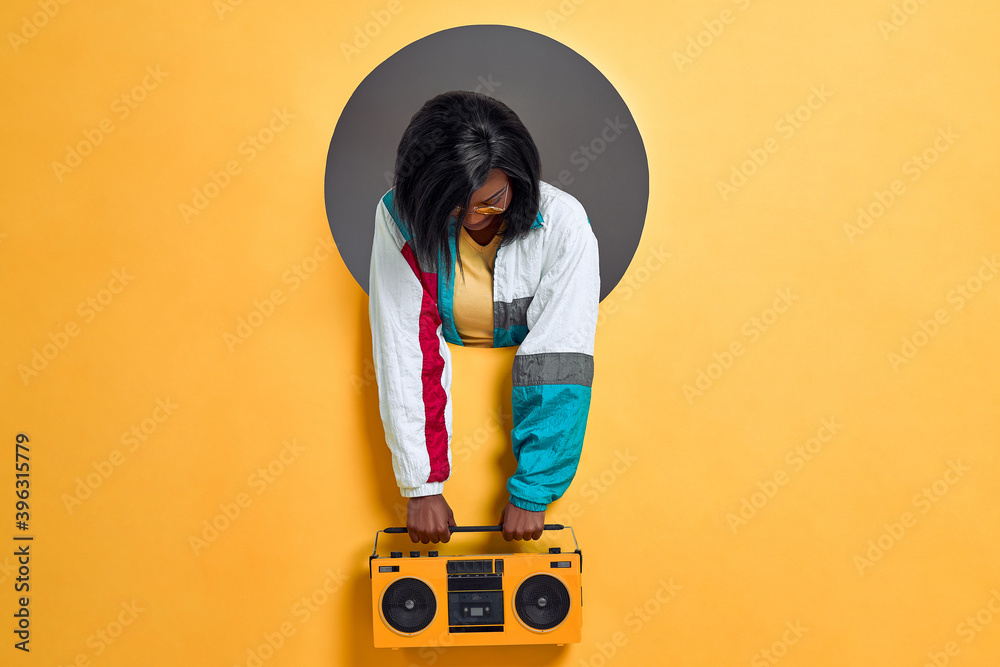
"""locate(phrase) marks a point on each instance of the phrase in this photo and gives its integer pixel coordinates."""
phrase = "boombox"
(476, 600)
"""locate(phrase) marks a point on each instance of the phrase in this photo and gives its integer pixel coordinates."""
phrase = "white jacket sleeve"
(554, 365)
(412, 361)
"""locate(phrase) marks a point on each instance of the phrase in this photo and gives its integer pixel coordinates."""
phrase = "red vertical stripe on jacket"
(434, 397)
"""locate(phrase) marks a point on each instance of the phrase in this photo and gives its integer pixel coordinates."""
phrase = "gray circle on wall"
(588, 141)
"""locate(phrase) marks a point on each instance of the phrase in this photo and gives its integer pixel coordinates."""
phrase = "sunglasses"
(487, 209)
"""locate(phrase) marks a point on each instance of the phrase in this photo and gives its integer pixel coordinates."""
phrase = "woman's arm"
(554, 365)
(412, 364)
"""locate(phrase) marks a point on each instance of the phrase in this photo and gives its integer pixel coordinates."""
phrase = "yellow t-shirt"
(473, 298)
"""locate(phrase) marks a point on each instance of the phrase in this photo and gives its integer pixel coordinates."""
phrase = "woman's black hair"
(446, 153)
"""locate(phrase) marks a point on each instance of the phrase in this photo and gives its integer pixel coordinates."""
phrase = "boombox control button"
(396, 554)
(555, 550)
(414, 554)
(499, 566)
(470, 566)
(432, 554)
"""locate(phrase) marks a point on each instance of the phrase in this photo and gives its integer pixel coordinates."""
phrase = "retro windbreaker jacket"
(546, 289)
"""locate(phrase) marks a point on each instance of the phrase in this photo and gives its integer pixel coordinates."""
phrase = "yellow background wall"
(760, 474)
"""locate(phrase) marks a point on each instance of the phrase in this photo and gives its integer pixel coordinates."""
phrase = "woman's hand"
(519, 524)
(428, 518)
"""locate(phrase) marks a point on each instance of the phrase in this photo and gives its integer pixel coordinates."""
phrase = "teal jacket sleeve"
(554, 365)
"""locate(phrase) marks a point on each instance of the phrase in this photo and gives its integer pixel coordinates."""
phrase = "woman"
(521, 269)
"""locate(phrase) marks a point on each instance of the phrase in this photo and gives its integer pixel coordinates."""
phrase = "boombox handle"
(471, 529)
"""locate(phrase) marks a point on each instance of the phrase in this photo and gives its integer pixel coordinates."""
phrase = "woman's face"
(496, 191)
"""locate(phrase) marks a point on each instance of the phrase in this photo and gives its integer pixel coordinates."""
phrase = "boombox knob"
(555, 550)
(432, 554)
(414, 554)
(396, 554)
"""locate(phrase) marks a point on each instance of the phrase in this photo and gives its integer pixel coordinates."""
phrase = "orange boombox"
(477, 600)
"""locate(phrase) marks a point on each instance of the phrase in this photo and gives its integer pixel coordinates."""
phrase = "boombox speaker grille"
(408, 605)
(542, 602)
